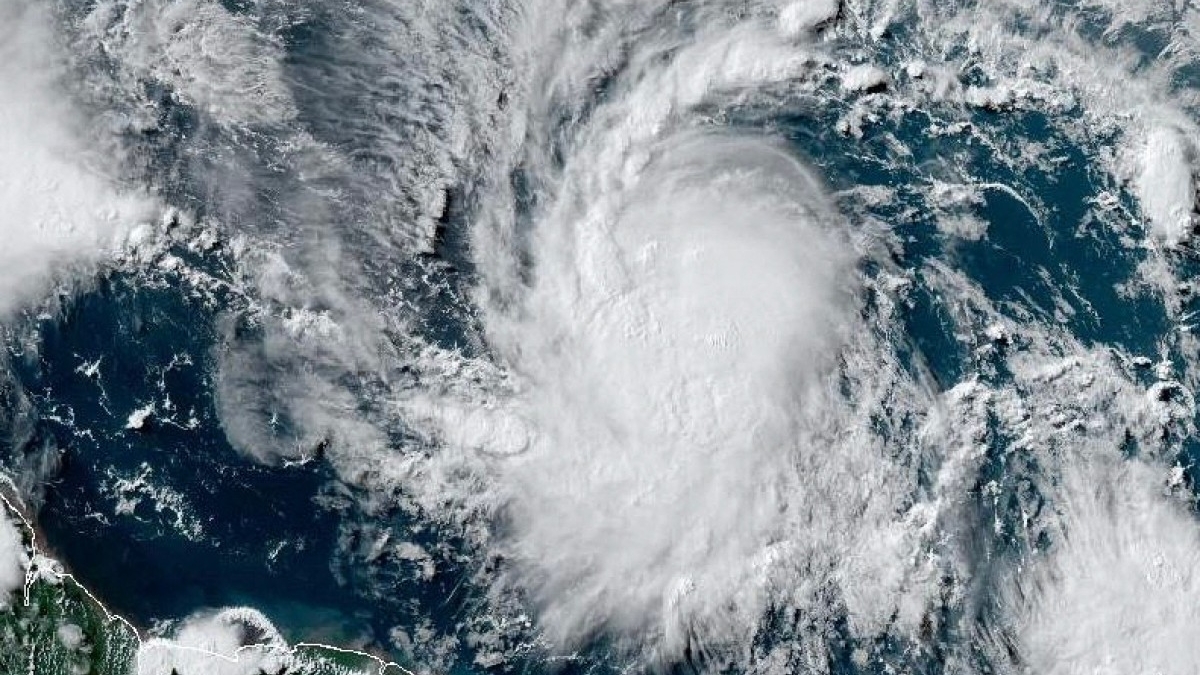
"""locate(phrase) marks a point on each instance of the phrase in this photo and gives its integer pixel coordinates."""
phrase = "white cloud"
(215, 60)
(863, 77)
(669, 351)
(801, 16)
(14, 558)
(237, 641)
(695, 430)
(1119, 592)
(698, 404)
(1165, 185)
(56, 207)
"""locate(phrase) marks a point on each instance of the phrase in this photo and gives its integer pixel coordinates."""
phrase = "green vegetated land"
(61, 631)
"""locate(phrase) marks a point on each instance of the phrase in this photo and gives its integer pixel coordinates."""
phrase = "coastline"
(43, 568)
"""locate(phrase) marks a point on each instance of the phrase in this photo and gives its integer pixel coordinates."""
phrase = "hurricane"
(598, 336)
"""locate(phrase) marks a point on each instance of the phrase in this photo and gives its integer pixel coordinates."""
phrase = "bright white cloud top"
(57, 205)
(1119, 592)
(665, 383)
(14, 560)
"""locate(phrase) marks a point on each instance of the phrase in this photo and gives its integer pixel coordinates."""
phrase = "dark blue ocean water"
(286, 540)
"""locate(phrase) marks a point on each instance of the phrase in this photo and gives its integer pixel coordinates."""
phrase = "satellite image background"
(598, 336)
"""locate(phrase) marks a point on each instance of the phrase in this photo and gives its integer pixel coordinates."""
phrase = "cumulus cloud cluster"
(233, 641)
